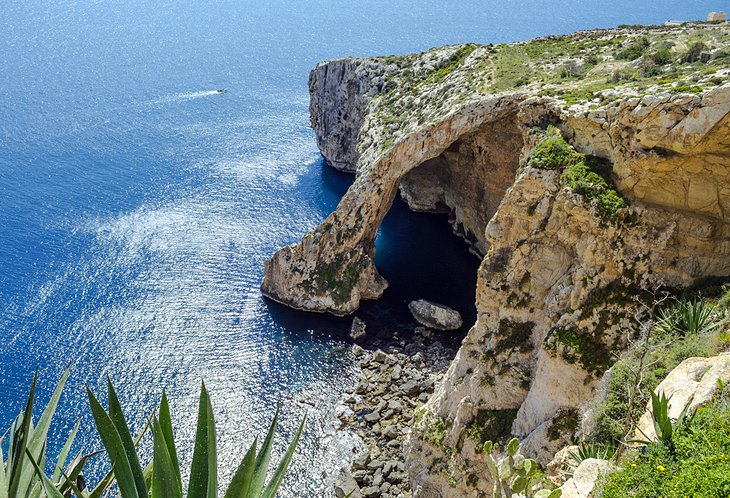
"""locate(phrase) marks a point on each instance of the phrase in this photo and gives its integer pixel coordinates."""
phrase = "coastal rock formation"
(584, 478)
(581, 208)
(435, 316)
(692, 384)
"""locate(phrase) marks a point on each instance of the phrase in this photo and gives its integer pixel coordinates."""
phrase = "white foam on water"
(184, 96)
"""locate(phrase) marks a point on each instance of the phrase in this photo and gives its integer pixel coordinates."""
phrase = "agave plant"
(161, 477)
(663, 425)
(588, 450)
(690, 317)
(20, 474)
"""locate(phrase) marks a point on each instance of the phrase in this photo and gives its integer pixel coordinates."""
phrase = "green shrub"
(699, 465)
(662, 56)
(551, 152)
(693, 53)
(586, 181)
(664, 351)
(691, 317)
(634, 50)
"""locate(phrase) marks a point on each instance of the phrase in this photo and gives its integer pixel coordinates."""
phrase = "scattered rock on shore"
(380, 408)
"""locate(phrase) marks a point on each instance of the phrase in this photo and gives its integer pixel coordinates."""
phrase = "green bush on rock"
(586, 180)
(551, 152)
(699, 464)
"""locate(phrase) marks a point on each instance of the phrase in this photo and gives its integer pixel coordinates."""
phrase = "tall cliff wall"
(566, 259)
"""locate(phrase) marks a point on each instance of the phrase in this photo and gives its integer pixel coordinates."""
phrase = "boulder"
(561, 466)
(435, 316)
(357, 330)
(345, 485)
(693, 382)
(584, 478)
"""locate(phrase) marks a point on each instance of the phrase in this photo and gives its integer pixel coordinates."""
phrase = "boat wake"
(185, 96)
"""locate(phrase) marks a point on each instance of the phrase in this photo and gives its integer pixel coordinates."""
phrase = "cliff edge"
(587, 171)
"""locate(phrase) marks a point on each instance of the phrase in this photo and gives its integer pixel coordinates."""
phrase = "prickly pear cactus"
(516, 476)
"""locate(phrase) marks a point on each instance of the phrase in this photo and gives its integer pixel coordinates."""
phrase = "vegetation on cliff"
(697, 463)
(23, 475)
(592, 67)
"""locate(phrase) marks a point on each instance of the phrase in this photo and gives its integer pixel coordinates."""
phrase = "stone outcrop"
(435, 316)
(691, 385)
(584, 479)
(559, 286)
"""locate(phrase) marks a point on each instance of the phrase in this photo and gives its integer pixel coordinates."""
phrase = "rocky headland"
(587, 171)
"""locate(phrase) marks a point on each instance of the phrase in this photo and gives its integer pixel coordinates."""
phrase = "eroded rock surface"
(692, 384)
(559, 284)
(434, 315)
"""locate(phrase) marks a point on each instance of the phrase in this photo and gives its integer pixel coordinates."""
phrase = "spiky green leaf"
(203, 471)
(64, 453)
(115, 449)
(48, 487)
(120, 423)
(164, 480)
(165, 421)
(278, 476)
(263, 458)
(241, 483)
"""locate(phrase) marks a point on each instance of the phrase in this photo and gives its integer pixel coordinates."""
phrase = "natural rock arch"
(332, 269)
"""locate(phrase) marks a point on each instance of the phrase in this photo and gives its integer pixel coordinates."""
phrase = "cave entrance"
(443, 202)
(468, 180)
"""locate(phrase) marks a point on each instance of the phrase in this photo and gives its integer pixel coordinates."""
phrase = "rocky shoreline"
(395, 381)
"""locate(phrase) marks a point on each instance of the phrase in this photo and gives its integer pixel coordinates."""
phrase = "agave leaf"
(120, 423)
(19, 477)
(115, 449)
(76, 466)
(555, 493)
(35, 438)
(3, 479)
(64, 453)
(278, 476)
(103, 485)
(242, 479)
(262, 459)
(48, 487)
(203, 478)
(148, 475)
(70, 484)
(164, 479)
(166, 426)
(212, 454)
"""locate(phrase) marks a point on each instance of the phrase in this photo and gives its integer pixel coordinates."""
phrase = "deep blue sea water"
(137, 205)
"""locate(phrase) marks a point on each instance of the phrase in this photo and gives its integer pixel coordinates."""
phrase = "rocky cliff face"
(573, 235)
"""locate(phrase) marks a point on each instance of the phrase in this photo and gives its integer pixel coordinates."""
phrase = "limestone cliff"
(572, 234)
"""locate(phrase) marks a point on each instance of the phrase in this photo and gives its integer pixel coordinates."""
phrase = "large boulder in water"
(357, 330)
(435, 316)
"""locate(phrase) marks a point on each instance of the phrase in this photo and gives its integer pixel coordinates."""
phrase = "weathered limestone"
(435, 316)
(558, 287)
(584, 478)
(692, 384)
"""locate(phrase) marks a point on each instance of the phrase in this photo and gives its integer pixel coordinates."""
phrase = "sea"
(138, 205)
